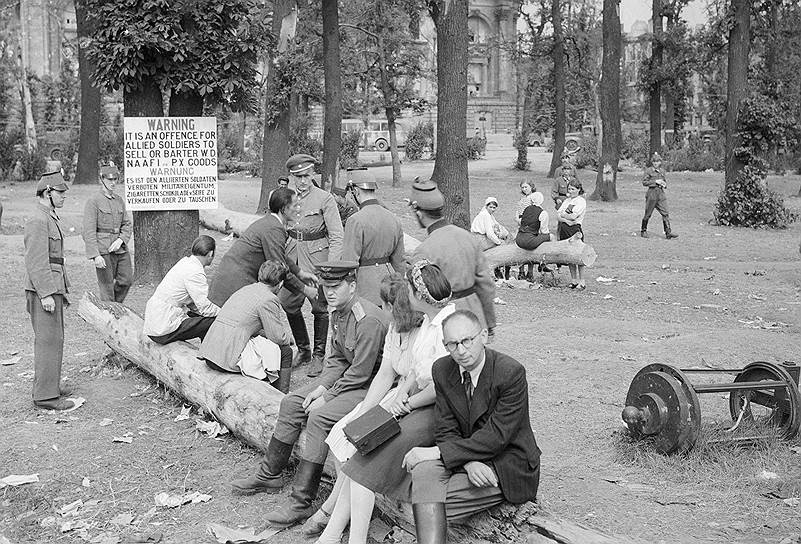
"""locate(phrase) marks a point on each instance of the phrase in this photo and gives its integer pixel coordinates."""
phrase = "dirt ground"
(717, 297)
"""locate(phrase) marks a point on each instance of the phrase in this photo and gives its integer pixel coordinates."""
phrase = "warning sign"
(170, 163)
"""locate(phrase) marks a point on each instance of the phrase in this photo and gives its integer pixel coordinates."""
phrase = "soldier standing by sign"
(654, 179)
(106, 231)
(373, 236)
(318, 232)
(46, 285)
(457, 253)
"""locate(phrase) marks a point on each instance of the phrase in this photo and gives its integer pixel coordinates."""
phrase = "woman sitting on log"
(251, 334)
(489, 232)
(180, 308)
(427, 291)
(571, 216)
(533, 228)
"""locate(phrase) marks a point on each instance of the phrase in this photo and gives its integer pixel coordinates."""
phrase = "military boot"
(301, 336)
(299, 507)
(430, 522)
(268, 476)
(644, 229)
(668, 233)
(320, 338)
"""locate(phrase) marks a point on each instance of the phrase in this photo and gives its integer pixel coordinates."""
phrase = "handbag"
(371, 429)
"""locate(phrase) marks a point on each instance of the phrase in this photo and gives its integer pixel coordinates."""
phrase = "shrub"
(748, 202)
(301, 142)
(111, 144)
(696, 156)
(32, 163)
(349, 154)
(8, 154)
(419, 139)
(587, 155)
(636, 147)
(476, 147)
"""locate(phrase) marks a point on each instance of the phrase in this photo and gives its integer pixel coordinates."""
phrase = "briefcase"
(371, 429)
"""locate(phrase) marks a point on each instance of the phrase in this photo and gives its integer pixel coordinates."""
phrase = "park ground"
(716, 297)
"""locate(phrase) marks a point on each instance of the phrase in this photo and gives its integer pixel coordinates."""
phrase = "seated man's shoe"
(255, 484)
(316, 367)
(299, 506)
(268, 476)
(55, 404)
(302, 357)
(315, 525)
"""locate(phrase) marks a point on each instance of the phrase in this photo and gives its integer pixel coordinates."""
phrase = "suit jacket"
(249, 310)
(494, 429)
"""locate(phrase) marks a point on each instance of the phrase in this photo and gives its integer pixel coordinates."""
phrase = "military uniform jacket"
(45, 272)
(457, 253)
(104, 220)
(650, 178)
(318, 214)
(561, 178)
(357, 344)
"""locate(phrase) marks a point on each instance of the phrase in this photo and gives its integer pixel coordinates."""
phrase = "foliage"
(748, 202)
(111, 145)
(418, 139)
(32, 163)
(301, 142)
(349, 154)
(476, 147)
(520, 142)
(56, 100)
(635, 147)
(587, 155)
(696, 156)
(10, 139)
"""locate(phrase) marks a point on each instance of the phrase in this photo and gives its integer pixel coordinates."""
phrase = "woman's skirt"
(566, 231)
(380, 471)
(529, 240)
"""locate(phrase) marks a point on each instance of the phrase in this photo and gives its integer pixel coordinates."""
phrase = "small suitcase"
(371, 429)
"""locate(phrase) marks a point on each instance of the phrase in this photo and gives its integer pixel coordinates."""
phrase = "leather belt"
(371, 262)
(57, 260)
(301, 236)
(463, 293)
(108, 231)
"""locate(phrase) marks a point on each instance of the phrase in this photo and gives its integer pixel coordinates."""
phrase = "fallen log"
(571, 251)
(249, 408)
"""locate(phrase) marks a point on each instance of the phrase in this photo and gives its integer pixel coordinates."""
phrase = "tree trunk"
(332, 125)
(522, 145)
(737, 85)
(572, 251)
(610, 102)
(450, 166)
(89, 139)
(655, 92)
(389, 105)
(558, 55)
(22, 84)
(275, 143)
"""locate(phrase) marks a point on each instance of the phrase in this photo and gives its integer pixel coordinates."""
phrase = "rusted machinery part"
(783, 403)
(661, 406)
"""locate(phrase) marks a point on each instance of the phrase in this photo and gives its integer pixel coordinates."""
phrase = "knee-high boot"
(285, 372)
(301, 336)
(299, 505)
(430, 522)
(320, 338)
(668, 233)
(268, 477)
(644, 228)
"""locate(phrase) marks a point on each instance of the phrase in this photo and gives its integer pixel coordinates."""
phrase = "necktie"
(468, 386)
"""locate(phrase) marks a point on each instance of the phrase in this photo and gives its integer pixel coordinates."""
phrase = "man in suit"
(485, 450)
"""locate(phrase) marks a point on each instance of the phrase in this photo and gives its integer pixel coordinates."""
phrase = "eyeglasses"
(467, 343)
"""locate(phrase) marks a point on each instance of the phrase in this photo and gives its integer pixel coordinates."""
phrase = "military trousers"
(655, 200)
(293, 302)
(115, 280)
(292, 417)
(48, 346)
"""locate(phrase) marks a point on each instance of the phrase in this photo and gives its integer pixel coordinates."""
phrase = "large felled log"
(571, 251)
(249, 408)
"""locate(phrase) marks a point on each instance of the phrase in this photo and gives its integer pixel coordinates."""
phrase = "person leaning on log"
(562, 177)
(373, 236)
(180, 308)
(251, 334)
(485, 450)
(571, 216)
(358, 328)
(46, 287)
(654, 179)
(456, 252)
(319, 233)
(107, 228)
(489, 232)
(534, 228)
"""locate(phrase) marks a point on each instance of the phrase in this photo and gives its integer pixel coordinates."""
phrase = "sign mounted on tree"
(170, 163)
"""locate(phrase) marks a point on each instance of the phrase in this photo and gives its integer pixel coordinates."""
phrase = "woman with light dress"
(571, 216)
(412, 401)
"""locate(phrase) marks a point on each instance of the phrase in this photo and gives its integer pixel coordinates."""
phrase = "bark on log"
(249, 408)
(571, 251)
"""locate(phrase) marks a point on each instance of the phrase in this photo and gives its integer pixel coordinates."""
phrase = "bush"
(32, 164)
(419, 139)
(748, 202)
(8, 154)
(696, 156)
(349, 154)
(636, 147)
(111, 144)
(301, 142)
(476, 147)
(587, 155)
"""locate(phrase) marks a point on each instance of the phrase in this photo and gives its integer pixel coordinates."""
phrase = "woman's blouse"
(577, 206)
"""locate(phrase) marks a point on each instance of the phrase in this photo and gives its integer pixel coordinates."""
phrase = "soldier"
(106, 232)
(654, 179)
(46, 285)
(456, 252)
(357, 342)
(373, 236)
(562, 177)
(318, 232)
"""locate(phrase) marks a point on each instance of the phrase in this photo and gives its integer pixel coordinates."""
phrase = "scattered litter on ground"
(245, 535)
(126, 518)
(141, 392)
(767, 475)
(792, 501)
(500, 301)
(757, 297)
(11, 361)
(630, 486)
(716, 292)
(756, 273)
(185, 411)
(105, 538)
(85, 482)
(626, 358)
(608, 297)
(49, 521)
(211, 428)
(81, 353)
(759, 323)
(174, 501)
(18, 479)
(603, 279)
(710, 258)
(143, 538)
(665, 266)
(126, 438)
(73, 524)
(105, 422)
(55, 448)
(70, 509)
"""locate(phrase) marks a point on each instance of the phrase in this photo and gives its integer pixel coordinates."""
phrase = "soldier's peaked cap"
(334, 272)
(361, 178)
(426, 196)
(51, 181)
(109, 172)
(300, 163)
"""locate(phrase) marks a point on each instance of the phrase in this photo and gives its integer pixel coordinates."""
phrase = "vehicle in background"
(538, 139)
(375, 135)
(573, 139)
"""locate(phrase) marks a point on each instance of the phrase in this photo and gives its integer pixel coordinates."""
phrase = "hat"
(536, 198)
(298, 164)
(426, 196)
(334, 272)
(656, 157)
(109, 172)
(51, 181)
(491, 199)
(361, 178)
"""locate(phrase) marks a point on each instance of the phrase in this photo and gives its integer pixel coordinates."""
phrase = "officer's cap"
(51, 181)
(109, 172)
(300, 163)
(361, 178)
(426, 196)
(334, 272)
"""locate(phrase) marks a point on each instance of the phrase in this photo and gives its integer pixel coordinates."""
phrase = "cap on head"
(426, 196)
(361, 178)
(109, 172)
(656, 157)
(51, 181)
(491, 200)
(334, 272)
(300, 164)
